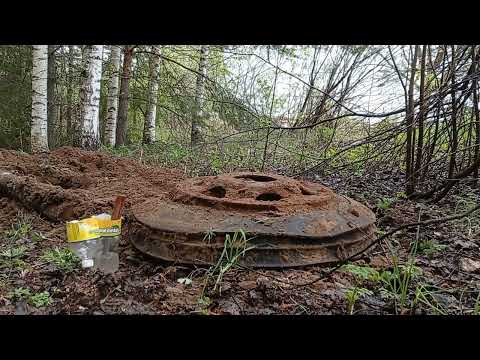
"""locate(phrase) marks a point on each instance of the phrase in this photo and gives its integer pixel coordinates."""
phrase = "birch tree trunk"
(122, 117)
(70, 79)
(112, 101)
(199, 95)
(90, 106)
(150, 116)
(76, 125)
(51, 104)
(38, 132)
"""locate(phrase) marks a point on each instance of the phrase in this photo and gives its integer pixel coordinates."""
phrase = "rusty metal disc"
(288, 222)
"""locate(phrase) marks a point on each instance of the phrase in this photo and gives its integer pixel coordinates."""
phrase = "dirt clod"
(469, 265)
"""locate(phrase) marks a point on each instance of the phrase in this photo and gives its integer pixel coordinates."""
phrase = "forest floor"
(442, 276)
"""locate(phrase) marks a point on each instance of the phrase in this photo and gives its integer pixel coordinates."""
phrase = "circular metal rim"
(167, 247)
(180, 237)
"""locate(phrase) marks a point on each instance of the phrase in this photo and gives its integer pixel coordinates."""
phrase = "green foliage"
(11, 258)
(357, 153)
(14, 252)
(353, 294)
(234, 248)
(385, 203)
(20, 232)
(401, 195)
(15, 92)
(124, 150)
(362, 272)
(64, 259)
(209, 235)
(430, 247)
(216, 165)
(399, 283)
(292, 151)
(204, 302)
(235, 101)
(178, 154)
(21, 228)
(37, 236)
(20, 294)
(396, 283)
(17, 264)
(476, 309)
(425, 296)
(37, 300)
(40, 299)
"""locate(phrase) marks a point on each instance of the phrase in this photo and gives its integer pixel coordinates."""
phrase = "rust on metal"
(288, 222)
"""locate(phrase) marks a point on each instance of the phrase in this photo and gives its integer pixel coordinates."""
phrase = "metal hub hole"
(259, 178)
(217, 191)
(269, 197)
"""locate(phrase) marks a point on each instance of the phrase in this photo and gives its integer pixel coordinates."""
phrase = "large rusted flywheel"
(288, 222)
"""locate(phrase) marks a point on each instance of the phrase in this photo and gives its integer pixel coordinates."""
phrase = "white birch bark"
(91, 101)
(150, 116)
(70, 121)
(112, 100)
(199, 95)
(38, 132)
(52, 117)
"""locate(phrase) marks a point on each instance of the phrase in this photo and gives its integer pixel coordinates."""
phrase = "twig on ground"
(389, 233)
(378, 240)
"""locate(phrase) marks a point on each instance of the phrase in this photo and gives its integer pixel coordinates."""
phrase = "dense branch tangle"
(301, 109)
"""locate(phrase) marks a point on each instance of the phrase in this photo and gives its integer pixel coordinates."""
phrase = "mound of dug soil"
(70, 183)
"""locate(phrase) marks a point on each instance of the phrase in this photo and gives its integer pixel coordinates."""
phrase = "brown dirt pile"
(71, 183)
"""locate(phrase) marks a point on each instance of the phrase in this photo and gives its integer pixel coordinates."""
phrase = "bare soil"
(69, 183)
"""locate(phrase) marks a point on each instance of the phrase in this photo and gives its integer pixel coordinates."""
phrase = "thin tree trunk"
(149, 123)
(76, 132)
(70, 89)
(431, 146)
(199, 94)
(468, 156)
(90, 120)
(122, 118)
(38, 132)
(476, 158)
(454, 145)
(312, 78)
(409, 120)
(51, 108)
(421, 115)
(440, 58)
(112, 101)
(264, 157)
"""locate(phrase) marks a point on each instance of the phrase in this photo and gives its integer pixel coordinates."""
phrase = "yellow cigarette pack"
(81, 230)
(93, 228)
